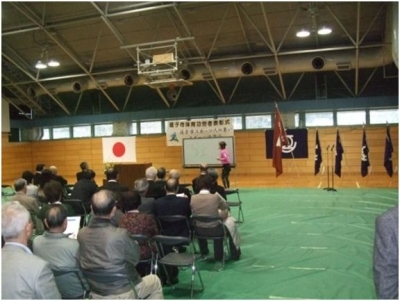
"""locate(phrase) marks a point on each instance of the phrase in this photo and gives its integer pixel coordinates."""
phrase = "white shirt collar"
(204, 191)
(19, 245)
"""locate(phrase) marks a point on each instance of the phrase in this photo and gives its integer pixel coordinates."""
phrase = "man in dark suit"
(214, 186)
(112, 183)
(386, 254)
(84, 167)
(85, 188)
(155, 190)
(203, 172)
(174, 174)
(171, 204)
(38, 175)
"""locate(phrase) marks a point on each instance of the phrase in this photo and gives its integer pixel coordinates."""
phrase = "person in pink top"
(226, 164)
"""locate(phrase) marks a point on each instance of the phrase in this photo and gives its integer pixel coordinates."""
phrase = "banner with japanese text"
(177, 130)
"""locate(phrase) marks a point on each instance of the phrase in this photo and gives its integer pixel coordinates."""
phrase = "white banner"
(119, 150)
(177, 130)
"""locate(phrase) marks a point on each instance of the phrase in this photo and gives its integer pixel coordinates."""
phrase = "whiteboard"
(206, 150)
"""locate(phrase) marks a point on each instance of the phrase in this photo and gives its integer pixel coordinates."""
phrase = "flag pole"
(333, 174)
(327, 165)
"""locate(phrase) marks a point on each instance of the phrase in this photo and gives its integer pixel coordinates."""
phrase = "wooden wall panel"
(253, 169)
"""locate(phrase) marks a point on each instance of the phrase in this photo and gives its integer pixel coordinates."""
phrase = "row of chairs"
(163, 257)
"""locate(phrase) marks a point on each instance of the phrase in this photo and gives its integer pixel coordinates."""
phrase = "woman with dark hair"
(226, 164)
(138, 223)
(46, 177)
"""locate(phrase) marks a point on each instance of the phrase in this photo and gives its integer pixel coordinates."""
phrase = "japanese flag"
(119, 150)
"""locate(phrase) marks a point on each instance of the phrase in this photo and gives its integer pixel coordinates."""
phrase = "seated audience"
(60, 251)
(53, 193)
(213, 173)
(138, 223)
(84, 167)
(30, 203)
(46, 176)
(57, 177)
(171, 204)
(147, 203)
(110, 249)
(156, 191)
(386, 254)
(23, 275)
(206, 203)
(85, 188)
(38, 174)
(161, 173)
(203, 172)
(182, 190)
(112, 184)
(31, 189)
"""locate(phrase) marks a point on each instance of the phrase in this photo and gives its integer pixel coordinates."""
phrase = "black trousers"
(218, 243)
(226, 169)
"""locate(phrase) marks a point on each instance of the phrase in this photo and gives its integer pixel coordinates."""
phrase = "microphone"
(333, 145)
(327, 148)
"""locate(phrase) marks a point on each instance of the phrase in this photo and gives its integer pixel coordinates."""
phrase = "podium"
(129, 173)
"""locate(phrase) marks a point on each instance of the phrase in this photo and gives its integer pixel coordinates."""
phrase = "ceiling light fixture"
(53, 63)
(302, 33)
(324, 30)
(40, 65)
(44, 61)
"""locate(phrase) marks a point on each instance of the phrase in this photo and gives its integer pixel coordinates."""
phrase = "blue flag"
(364, 155)
(339, 155)
(318, 154)
(387, 162)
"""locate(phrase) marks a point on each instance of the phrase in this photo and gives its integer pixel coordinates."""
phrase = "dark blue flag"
(387, 162)
(318, 154)
(364, 155)
(339, 155)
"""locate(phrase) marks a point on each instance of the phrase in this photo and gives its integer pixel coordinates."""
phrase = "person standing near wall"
(226, 164)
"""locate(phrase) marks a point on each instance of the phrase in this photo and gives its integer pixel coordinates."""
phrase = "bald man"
(103, 246)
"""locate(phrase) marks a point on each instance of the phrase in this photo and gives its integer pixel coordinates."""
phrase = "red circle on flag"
(118, 149)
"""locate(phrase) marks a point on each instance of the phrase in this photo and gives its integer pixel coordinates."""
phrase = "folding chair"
(106, 277)
(176, 259)
(78, 207)
(211, 219)
(238, 203)
(61, 275)
(164, 220)
(141, 238)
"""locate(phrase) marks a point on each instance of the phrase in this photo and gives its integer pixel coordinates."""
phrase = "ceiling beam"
(242, 26)
(218, 31)
(34, 79)
(357, 67)
(29, 14)
(3, 97)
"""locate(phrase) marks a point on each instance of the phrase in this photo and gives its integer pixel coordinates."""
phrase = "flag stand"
(330, 171)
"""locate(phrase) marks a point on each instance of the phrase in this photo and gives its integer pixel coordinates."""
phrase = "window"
(103, 130)
(150, 127)
(46, 134)
(383, 116)
(237, 122)
(61, 133)
(258, 122)
(133, 128)
(81, 131)
(319, 119)
(351, 117)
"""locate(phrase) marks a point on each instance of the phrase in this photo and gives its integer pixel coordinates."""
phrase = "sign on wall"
(177, 130)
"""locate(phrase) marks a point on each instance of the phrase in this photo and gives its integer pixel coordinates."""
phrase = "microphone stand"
(328, 172)
(333, 174)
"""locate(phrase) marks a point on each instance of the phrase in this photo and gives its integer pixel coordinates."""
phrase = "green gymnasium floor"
(298, 244)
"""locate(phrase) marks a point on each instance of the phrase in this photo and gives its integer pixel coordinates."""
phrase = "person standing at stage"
(226, 164)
